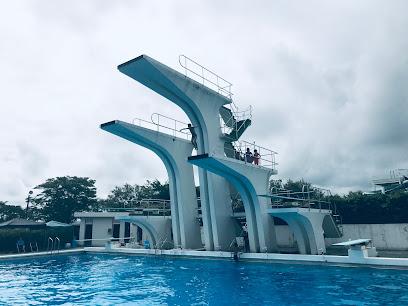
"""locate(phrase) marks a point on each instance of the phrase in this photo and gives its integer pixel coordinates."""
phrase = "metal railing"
(175, 132)
(237, 120)
(314, 197)
(54, 245)
(266, 157)
(145, 207)
(205, 76)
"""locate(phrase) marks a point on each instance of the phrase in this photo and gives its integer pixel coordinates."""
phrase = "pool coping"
(394, 263)
(264, 257)
(41, 254)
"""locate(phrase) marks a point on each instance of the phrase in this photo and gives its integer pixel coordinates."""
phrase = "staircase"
(235, 122)
(331, 227)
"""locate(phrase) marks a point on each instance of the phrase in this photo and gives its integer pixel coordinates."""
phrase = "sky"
(327, 82)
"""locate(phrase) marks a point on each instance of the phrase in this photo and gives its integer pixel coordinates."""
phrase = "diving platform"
(249, 180)
(228, 167)
(173, 151)
(202, 106)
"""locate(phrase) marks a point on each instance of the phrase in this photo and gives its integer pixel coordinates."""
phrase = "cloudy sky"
(327, 80)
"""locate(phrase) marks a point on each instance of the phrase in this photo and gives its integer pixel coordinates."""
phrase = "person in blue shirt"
(20, 245)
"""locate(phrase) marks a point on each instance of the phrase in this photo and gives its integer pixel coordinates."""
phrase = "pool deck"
(262, 257)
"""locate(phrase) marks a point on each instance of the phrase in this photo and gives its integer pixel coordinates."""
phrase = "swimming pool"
(99, 279)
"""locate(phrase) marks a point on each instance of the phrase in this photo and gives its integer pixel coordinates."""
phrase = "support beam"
(173, 152)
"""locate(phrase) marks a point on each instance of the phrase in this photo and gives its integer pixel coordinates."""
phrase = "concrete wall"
(100, 230)
(384, 236)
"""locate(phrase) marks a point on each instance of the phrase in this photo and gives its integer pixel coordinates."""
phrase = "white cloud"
(327, 82)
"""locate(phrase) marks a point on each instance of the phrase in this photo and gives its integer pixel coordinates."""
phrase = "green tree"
(62, 196)
(294, 186)
(124, 196)
(128, 195)
(8, 212)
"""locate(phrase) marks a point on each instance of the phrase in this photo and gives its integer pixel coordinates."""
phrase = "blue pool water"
(138, 280)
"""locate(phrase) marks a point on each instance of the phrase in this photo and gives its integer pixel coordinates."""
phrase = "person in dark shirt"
(248, 156)
(193, 134)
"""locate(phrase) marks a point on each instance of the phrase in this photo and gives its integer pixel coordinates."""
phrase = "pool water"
(89, 279)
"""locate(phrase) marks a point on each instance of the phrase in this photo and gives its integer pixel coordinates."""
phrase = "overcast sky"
(327, 80)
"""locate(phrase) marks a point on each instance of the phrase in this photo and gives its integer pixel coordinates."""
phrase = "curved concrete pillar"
(202, 106)
(157, 228)
(300, 234)
(173, 152)
(307, 226)
(250, 180)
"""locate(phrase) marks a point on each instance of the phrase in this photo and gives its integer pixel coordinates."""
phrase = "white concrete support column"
(122, 232)
(307, 226)
(202, 106)
(173, 152)
(156, 228)
(250, 180)
(82, 227)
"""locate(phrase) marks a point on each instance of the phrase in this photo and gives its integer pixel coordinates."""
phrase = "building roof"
(19, 222)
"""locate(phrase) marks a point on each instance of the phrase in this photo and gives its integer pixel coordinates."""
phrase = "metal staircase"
(234, 122)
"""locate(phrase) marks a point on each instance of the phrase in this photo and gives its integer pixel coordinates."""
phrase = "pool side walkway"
(263, 257)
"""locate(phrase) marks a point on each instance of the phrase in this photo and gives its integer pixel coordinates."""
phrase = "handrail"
(166, 129)
(48, 244)
(268, 158)
(148, 206)
(233, 122)
(59, 242)
(176, 128)
(224, 88)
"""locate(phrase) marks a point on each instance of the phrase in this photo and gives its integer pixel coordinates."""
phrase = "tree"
(128, 195)
(293, 186)
(62, 196)
(124, 196)
(8, 212)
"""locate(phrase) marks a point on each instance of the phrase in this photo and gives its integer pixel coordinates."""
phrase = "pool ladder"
(53, 245)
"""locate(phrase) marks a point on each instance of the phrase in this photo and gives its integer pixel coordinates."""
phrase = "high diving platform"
(229, 168)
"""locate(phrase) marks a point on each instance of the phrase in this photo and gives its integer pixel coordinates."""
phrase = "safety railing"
(237, 119)
(160, 127)
(237, 205)
(145, 207)
(161, 243)
(205, 76)
(308, 197)
(53, 245)
(50, 249)
(57, 244)
(266, 157)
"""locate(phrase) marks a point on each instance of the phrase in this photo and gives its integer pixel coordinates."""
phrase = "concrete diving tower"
(173, 151)
(202, 106)
(250, 180)
(309, 225)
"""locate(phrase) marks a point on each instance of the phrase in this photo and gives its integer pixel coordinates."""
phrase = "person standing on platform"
(193, 134)
(248, 156)
(257, 156)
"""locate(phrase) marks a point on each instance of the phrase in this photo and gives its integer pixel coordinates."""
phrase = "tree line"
(60, 197)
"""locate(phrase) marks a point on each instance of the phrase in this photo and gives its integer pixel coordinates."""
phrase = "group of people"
(249, 157)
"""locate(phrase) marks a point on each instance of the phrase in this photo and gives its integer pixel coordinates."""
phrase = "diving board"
(359, 248)
(354, 242)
